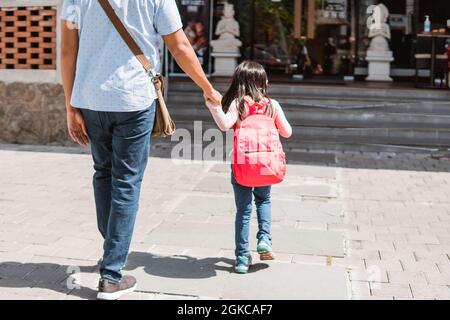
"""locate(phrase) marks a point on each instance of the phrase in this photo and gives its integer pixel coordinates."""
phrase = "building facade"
(278, 33)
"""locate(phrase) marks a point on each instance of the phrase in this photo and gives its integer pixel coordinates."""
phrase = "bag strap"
(254, 107)
(126, 36)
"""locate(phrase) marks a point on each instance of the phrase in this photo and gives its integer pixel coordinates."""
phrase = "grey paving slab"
(213, 277)
(318, 211)
(286, 239)
(201, 235)
(215, 184)
(315, 211)
(311, 172)
(179, 274)
(206, 205)
(321, 190)
(288, 281)
(222, 168)
(314, 242)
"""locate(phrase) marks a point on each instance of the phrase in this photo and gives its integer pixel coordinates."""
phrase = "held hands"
(76, 127)
(212, 97)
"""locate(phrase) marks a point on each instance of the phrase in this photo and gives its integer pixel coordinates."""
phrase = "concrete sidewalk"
(183, 242)
(339, 233)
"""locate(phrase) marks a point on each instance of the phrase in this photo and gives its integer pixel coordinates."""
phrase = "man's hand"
(212, 97)
(76, 127)
(187, 59)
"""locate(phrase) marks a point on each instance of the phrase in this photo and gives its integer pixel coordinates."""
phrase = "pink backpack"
(258, 157)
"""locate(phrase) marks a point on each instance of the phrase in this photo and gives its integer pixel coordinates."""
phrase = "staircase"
(342, 118)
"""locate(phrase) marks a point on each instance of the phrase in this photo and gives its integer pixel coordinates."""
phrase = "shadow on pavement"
(50, 276)
(55, 277)
(182, 266)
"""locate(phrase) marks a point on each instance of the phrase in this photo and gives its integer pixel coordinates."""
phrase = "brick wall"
(28, 37)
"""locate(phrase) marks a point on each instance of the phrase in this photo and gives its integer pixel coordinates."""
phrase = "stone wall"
(32, 113)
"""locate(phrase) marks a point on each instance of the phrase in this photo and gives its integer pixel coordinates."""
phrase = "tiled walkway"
(339, 232)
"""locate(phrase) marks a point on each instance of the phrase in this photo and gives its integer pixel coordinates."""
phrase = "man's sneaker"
(108, 290)
(265, 249)
(242, 264)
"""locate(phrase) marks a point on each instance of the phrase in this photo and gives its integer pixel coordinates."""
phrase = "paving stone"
(390, 265)
(421, 291)
(161, 296)
(306, 171)
(16, 270)
(435, 278)
(403, 277)
(363, 254)
(215, 184)
(356, 235)
(15, 286)
(302, 281)
(373, 274)
(168, 250)
(206, 205)
(313, 226)
(180, 274)
(40, 249)
(342, 227)
(138, 296)
(425, 266)
(73, 242)
(307, 190)
(347, 262)
(309, 259)
(308, 210)
(364, 298)
(285, 240)
(391, 290)
(403, 256)
(361, 289)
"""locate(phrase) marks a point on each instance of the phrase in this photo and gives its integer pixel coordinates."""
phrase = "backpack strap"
(255, 108)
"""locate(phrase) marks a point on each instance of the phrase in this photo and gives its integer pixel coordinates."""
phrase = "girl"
(249, 85)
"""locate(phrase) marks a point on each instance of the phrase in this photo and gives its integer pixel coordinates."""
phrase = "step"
(355, 90)
(405, 137)
(390, 136)
(182, 100)
(338, 119)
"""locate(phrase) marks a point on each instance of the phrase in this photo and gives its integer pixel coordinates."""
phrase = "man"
(110, 103)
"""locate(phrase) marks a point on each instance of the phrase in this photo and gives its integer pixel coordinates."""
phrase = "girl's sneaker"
(265, 249)
(242, 264)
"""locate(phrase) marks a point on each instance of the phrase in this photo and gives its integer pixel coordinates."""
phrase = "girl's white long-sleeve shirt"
(226, 121)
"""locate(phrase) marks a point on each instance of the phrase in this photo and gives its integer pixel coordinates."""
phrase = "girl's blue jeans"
(243, 197)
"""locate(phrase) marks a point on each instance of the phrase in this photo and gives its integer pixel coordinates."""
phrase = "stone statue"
(228, 30)
(377, 22)
(226, 47)
(379, 55)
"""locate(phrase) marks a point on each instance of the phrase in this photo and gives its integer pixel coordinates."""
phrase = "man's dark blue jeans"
(120, 145)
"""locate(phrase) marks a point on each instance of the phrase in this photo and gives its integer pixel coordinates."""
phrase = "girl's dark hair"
(249, 79)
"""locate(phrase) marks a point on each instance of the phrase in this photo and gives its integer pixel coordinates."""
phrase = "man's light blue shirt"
(108, 76)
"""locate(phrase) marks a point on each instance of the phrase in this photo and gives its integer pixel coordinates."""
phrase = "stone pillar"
(225, 63)
(379, 60)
